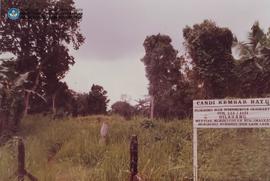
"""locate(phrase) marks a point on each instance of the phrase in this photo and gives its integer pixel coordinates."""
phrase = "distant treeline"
(31, 82)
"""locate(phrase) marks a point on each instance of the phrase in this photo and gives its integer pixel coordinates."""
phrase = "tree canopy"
(210, 48)
(97, 100)
(41, 43)
(164, 71)
(208, 69)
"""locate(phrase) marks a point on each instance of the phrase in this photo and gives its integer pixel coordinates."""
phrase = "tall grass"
(70, 150)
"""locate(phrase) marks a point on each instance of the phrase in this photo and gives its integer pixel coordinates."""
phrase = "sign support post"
(195, 154)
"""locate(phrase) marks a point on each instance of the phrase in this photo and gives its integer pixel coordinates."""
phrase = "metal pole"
(195, 154)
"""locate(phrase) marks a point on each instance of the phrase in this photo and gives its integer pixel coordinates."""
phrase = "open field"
(69, 150)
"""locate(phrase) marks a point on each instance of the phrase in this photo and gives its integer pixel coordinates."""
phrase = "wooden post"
(21, 160)
(133, 157)
(21, 163)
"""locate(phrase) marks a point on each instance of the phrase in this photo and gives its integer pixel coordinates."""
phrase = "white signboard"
(228, 113)
(232, 113)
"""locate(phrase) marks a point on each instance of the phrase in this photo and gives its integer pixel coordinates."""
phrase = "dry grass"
(70, 149)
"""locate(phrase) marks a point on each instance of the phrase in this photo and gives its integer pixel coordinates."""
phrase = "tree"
(163, 70)
(57, 64)
(143, 107)
(209, 48)
(97, 100)
(253, 67)
(81, 104)
(123, 108)
(41, 43)
(11, 102)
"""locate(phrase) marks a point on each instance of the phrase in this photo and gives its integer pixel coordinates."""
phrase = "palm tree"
(254, 63)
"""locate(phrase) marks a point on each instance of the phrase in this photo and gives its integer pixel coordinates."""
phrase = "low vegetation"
(70, 149)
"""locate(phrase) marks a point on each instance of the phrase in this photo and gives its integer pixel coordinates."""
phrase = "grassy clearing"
(69, 150)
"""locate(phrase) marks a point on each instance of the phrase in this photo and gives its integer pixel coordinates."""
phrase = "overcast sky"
(115, 31)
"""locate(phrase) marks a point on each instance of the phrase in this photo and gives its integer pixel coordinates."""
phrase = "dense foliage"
(97, 100)
(123, 108)
(210, 48)
(40, 44)
(166, 81)
(208, 70)
(11, 99)
(253, 68)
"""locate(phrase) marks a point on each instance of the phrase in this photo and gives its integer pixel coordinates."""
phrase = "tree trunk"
(26, 103)
(28, 94)
(3, 121)
(152, 108)
(53, 104)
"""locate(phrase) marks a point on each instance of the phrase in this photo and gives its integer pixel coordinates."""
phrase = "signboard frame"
(237, 117)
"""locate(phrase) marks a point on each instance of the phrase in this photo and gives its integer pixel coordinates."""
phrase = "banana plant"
(12, 93)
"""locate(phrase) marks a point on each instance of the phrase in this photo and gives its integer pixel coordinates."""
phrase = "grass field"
(70, 150)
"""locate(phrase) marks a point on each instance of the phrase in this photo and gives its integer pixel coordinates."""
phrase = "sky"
(116, 29)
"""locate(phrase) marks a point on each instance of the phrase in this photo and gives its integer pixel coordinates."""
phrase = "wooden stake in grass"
(21, 160)
(21, 163)
(133, 157)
